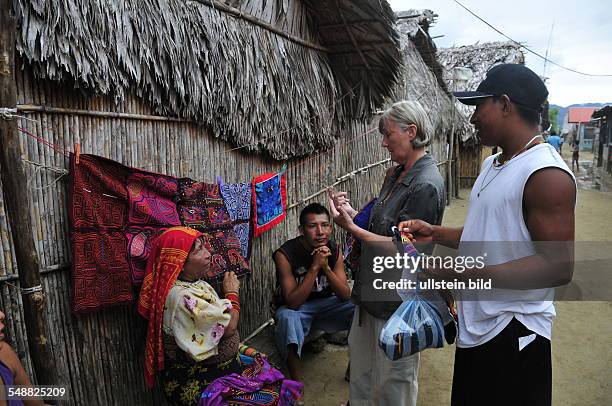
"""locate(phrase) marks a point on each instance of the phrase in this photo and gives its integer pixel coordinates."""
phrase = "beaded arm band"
(234, 299)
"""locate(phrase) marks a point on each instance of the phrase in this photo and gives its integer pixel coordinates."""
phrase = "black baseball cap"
(523, 86)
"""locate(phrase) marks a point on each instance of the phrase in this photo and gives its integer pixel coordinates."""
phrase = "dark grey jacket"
(420, 194)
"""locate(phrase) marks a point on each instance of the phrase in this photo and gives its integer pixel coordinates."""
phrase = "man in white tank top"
(524, 194)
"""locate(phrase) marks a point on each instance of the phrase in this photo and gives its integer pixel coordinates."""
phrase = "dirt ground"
(582, 335)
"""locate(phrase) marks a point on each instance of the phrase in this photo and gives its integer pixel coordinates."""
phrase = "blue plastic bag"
(417, 324)
(414, 326)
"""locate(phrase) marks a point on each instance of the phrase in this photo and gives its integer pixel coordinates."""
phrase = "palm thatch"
(363, 48)
(478, 58)
(422, 76)
(196, 60)
(416, 23)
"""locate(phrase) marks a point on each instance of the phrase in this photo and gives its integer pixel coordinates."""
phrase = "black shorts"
(497, 373)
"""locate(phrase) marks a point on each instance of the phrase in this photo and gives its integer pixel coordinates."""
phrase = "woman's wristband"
(234, 300)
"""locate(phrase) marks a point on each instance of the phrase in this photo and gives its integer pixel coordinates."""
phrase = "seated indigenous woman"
(192, 339)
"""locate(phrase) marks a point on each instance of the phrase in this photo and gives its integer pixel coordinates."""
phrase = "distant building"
(602, 148)
(579, 126)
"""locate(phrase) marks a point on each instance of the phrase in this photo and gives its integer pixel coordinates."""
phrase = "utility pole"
(18, 207)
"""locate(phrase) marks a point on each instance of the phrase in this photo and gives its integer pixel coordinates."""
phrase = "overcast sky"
(581, 38)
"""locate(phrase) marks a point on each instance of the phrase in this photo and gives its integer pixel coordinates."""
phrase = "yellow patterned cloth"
(196, 317)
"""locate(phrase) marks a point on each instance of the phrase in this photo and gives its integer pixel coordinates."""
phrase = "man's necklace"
(496, 163)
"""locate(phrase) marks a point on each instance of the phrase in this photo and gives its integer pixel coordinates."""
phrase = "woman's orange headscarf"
(168, 255)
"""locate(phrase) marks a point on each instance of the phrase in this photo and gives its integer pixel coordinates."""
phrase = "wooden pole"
(31, 108)
(18, 208)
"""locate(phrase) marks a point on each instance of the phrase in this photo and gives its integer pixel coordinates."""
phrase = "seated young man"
(312, 290)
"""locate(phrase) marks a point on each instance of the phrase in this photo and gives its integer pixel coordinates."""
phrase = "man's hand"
(320, 257)
(230, 283)
(421, 231)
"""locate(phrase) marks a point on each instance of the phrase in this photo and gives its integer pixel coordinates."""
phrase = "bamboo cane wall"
(99, 356)
(469, 165)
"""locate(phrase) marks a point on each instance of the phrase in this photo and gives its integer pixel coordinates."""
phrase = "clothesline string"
(295, 166)
(51, 145)
(9, 114)
(340, 179)
(66, 152)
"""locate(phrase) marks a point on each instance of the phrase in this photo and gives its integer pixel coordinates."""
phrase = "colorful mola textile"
(237, 198)
(98, 211)
(116, 212)
(260, 384)
(201, 207)
(269, 201)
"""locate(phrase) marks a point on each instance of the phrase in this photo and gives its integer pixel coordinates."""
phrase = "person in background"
(554, 140)
(575, 154)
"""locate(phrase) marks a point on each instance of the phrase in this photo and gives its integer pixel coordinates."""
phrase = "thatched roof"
(415, 24)
(196, 60)
(363, 46)
(478, 58)
(422, 75)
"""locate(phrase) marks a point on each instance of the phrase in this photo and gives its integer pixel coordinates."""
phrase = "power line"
(528, 49)
(552, 27)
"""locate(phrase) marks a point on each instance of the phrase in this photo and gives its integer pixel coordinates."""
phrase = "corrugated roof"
(580, 114)
(604, 111)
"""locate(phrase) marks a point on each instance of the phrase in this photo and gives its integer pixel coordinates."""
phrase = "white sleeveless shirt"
(496, 215)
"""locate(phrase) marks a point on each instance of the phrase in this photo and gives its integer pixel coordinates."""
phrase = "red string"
(51, 145)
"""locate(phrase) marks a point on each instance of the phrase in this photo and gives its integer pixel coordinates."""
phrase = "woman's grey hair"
(405, 113)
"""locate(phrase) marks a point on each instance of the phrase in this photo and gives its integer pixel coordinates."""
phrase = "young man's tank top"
(300, 259)
(495, 223)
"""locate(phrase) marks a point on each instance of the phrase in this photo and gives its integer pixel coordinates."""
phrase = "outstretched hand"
(339, 213)
(341, 199)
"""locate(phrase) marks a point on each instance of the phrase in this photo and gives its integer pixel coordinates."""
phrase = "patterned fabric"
(139, 242)
(237, 199)
(116, 213)
(196, 317)
(226, 255)
(258, 384)
(183, 381)
(98, 213)
(202, 208)
(168, 255)
(269, 201)
(152, 200)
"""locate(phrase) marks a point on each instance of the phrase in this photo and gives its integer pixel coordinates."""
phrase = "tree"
(552, 116)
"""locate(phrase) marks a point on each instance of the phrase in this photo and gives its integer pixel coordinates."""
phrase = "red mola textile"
(116, 213)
